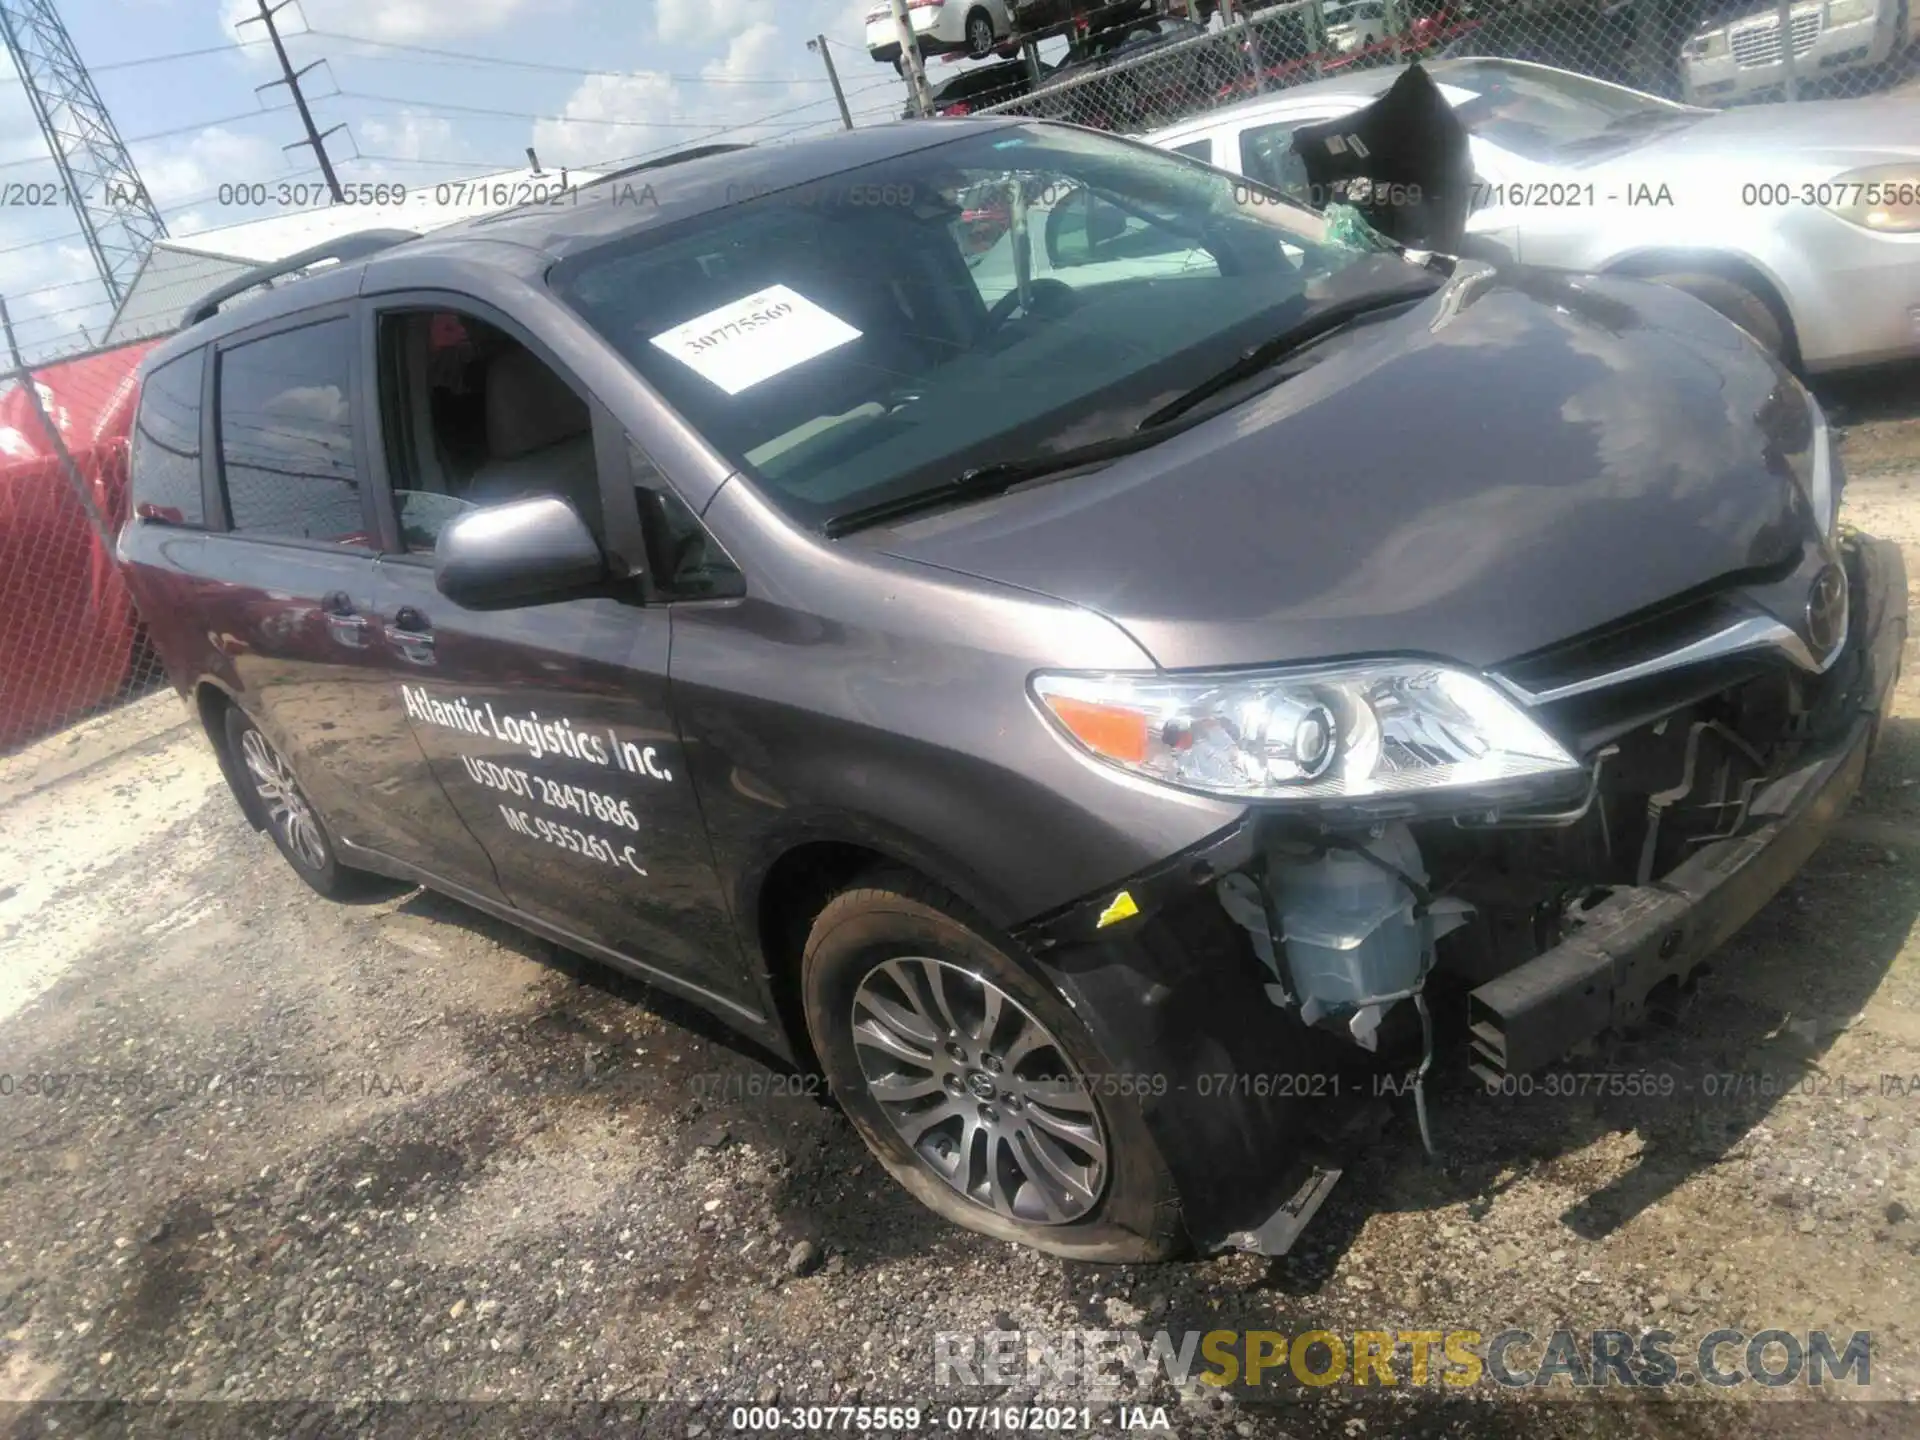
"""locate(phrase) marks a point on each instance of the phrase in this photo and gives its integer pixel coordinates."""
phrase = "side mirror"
(1078, 226)
(525, 552)
(1105, 221)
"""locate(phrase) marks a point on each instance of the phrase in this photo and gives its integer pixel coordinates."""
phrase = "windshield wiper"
(1625, 128)
(1640, 119)
(994, 478)
(1269, 353)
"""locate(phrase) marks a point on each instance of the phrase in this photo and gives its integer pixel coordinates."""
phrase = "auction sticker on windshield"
(756, 338)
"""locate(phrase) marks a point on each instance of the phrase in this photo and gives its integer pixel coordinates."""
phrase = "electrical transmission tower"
(116, 214)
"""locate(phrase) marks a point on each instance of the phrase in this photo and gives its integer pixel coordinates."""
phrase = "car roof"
(527, 240)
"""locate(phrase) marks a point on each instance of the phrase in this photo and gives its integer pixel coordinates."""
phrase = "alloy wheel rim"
(982, 35)
(980, 1091)
(287, 809)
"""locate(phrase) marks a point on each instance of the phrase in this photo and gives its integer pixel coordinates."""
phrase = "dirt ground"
(399, 1152)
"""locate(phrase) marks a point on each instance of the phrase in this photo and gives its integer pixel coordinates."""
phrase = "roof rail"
(347, 247)
(678, 157)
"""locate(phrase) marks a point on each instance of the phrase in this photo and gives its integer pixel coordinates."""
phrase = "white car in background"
(941, 27)
(1801, 223)
(1353, 25)
(1735, 53)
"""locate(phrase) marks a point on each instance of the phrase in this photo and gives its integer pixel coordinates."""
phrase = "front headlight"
(1343, 732)
(1848, 12)
(1885, 198)
(1823, 491)
(1710, 46)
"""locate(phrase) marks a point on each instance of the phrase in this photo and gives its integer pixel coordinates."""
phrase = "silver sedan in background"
(1799, 222)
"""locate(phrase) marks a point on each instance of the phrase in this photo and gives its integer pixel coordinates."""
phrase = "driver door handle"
(344, 623)
(412, 632)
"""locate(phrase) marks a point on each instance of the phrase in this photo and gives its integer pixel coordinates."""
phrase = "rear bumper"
(1642, 938)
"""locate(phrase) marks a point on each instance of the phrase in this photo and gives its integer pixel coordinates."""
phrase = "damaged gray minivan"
(1086, 654)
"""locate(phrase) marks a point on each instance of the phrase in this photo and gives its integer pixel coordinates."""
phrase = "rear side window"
(166, 444)
(286, 436)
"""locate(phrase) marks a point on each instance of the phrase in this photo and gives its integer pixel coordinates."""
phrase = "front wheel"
(274, 800)
(976, 1087)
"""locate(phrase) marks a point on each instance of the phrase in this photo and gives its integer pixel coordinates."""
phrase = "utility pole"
(910, 65)
(291, 79)
(819, 43)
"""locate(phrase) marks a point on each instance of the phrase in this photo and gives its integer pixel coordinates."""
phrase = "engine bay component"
(1353, 921)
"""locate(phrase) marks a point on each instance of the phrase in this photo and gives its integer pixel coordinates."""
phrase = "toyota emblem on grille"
(1827, 610)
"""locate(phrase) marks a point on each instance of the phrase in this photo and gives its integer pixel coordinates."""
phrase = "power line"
(164, 134)
(156, 59)
(468, 57)
(444, 164)
(95, 167)
(173, 208)
(443, 107)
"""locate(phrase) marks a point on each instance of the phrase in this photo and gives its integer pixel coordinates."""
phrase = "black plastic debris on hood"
(1402, 161)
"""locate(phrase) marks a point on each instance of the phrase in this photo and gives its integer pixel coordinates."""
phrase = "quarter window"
(166, 444)
(686, 562)
(286, 436)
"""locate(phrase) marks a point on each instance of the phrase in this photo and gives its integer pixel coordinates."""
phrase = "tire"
(980, 36)
(1733, 300)
(274, 801)
(871, 963)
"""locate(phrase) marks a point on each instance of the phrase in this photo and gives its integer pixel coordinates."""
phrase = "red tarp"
(67, 624)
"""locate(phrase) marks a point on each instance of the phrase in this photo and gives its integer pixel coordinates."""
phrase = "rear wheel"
(971, 1082)
(1742, 306)
(274, 800)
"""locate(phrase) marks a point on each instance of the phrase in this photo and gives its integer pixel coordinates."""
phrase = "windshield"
(1017, 291)
(1553, 116)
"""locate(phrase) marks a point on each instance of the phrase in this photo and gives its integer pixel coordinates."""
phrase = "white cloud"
(698, 22)
(409, 136)
(194, 167)
(738, 92)
(406, 20)
(586, 136)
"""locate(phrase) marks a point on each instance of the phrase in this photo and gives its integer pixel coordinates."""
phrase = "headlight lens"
(1348, 732)
(1823, 489)
(1846, 12)
(1710, 46)
(1885, 198)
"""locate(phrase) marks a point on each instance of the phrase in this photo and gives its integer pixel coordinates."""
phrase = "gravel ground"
(399, 1152)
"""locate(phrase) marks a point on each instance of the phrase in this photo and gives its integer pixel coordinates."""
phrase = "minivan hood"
(1522, 458)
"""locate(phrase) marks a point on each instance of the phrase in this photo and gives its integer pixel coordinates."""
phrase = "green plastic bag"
(1349, 228)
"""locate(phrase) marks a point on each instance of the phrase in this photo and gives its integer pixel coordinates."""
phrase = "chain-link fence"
(1160, 62)
(71, 642)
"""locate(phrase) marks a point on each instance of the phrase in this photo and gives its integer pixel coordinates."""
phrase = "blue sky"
(624, 77)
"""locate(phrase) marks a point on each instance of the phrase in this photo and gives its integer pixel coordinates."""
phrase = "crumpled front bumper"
(1249, 1109)
(1641, 938)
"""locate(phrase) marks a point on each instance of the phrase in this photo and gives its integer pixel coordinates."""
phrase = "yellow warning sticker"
(1122, 908)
